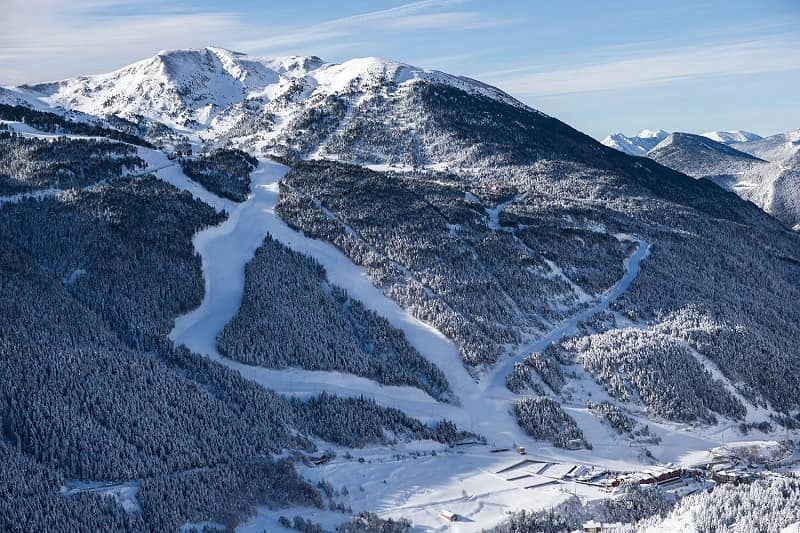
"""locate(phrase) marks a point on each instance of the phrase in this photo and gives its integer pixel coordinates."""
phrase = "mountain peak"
(638, 144)
(732, 136)
(652, 134)
(193, 86)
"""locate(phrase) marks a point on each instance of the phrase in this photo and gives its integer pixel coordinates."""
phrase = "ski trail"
(167, 170)
(494, 213)
(321, 151)
(225, 250)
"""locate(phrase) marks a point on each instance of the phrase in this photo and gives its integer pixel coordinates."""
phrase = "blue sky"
(601, 66)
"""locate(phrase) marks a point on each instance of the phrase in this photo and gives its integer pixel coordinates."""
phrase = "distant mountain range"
(763, 170)
(646, 140)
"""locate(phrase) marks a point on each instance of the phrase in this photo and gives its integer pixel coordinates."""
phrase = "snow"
(24, 130)
(170, 171)
(775, 148)
(754, 451)
(557, 272)
(205, 84)
(266, 519)
(754, 413)
(638, 144)
(468, 482)
(192, 527)
(352, 105)
(622, 143)
(73, 276)
(168, 88)
(646, 139)
(338, 77)
(36, 195)
(494, 213)
(652, 134)
(731, 136)
(698, 146)
(762, 171)
(683, 523)
(419, 487)
(225, 249)
(792, 528)
(416, 487)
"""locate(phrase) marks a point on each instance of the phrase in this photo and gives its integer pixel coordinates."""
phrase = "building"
(592, 527)
(660, 476)
(731, 476)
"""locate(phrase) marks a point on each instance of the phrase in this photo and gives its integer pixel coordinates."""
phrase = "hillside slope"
(700, 157)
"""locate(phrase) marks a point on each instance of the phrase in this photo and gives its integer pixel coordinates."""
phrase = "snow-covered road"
(38, 195)
(495, 382)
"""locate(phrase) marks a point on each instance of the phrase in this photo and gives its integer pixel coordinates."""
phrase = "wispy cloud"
(49, 39)
(46, 39)
(462, 20)
(654, 67)
(412, 16)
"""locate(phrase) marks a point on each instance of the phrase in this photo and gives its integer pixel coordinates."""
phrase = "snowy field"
(398, 483)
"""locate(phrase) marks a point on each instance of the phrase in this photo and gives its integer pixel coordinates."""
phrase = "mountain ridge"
(759, 169)
(226, 77)
(732, 136)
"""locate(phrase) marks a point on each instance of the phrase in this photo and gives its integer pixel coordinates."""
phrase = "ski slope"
(483, 407)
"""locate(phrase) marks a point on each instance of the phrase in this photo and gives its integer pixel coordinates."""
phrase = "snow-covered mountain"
(759, 169)
(779, 189)
(732, 136)
(775, 148)
(639, 144)
(366, 111)
(428, 262)
(771, 184)
(701, 157)
(646, 140)
(265, 103)
(195, 86)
